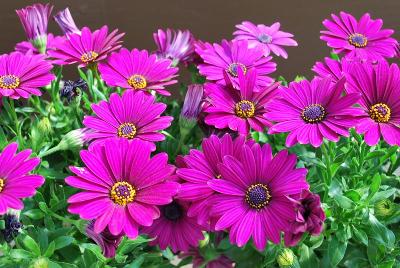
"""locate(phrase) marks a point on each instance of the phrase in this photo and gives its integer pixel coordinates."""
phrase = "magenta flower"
(363, 40)
(52, 42)
(330, 67)
(22, 75)
(380, 92)
(253, 194)
(105, 240)
(122, 186)
(314, 110)
(86, 48)
(134, 115)
(231, 56)
(15, 181)
(66, 22)
(198, 260)
(240, 109)
(268, 38)
(201, 167)
(191, 107)
(138, 70)
(178, 46)
(310, 218)
(174, 228)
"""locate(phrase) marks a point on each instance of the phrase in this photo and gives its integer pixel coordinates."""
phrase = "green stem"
(50, 151)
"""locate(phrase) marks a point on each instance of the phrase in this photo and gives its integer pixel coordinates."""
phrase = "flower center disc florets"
(90, 56)
(358, 40)
(245, 109)
(233, 69)
(258, 196)
(172, 212)
(122, 193)
(137, 81)
(313, 113)
(380, 113)
(264, 38)
(127, 130)
(1, 185)
(9, 81)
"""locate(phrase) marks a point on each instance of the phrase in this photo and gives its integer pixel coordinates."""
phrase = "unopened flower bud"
(285, 258)
(40, 263)
(44, 126)
(191, 108)
(384, 208)
(74, 140)
(66, 22)
(299, 78)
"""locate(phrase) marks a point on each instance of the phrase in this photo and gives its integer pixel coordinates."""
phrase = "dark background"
(209, 20)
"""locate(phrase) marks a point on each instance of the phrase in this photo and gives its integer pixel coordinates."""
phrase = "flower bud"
(74, 140)
(40, 263)
(44, 126)
(285, 258)
(191, 108)
(66, 22)
(384, 208)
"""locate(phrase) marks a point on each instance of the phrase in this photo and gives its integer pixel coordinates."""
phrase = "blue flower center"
(245, 109)
(9, 81)
(127, 130)
(258, 196)
(234, 67)
(265, 38)
(380, 113)
(313, 113)
(172, 212)
(358, 40)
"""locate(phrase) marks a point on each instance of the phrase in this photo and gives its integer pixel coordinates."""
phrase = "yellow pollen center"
(9, 81)
(245, 109)
(137, 81)
(90, 56)
(1, 185)
(358, 40)
(127, 130)
(122, 193)
(380, 113)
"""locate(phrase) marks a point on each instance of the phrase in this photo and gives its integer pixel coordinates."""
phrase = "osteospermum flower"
(363, 39)
(380, 92)
(314, 110)
(199, 261)
(15, 181)
(105, 240)
(241, 109)
(122, 186)
(330, 67)
(253, 190)
(268, 38)
(231, 56)
(66, 22)
(138, 70)
(27, 47)
(22, 75)
(174, 228)
(134, 115)
(86, 48)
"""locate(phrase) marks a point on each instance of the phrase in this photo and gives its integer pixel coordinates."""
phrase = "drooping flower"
(380, 92)
(240, 109)
(138, 70)
(22, 75)
(86, 48)
(134, 115)
(178, 46)
(191, 107)
(314, 110)
(105, 240)
(330, 67)
(175, 228)
(34, 19)
(72, 89)
(15, 181)
(12, 225)
(66, 22)
(253, 190)
(269, 38)
(122, 186)
(232, 56)
(199, 261)
(363, 39)
(52, 41)
(310, 218)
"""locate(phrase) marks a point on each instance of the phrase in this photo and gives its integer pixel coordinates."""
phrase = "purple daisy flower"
(22, 75)
(66, 22)
(232, 56)
(314, 110)
(380, 92)
(15, 181)
(199, 261)
(105, 240)
(174, 228)
(86, 48)
(122, 186)
(240, 109)
(178, 46)
(253, 190)
(363, 40)
(268, 38)
(138, 70)
(333, 68)
(134, 115)
(51, 44)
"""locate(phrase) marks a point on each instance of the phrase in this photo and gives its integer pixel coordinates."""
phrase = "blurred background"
(209, 20)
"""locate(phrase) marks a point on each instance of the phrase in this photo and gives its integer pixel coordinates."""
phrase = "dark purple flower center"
(380, 113)
(258, 196)
(245, 109)
(137, 81)
(127, 130)
(9, 81)
(11, 227)
(234, 67)
(358, 40)
(90, 56)
(172, 212)
(313, 113)
(265, 38)
(122, 193)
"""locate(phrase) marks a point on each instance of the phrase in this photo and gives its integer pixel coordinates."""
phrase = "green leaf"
(63, 241)
(21, 254)
(344, 201)
(31, 245)
(34, 214)
(382, 195)
(50, 249)
(374, 154)
(307, 257)
(380, 232)
(336, 251)
(376, 182)
(360, 235)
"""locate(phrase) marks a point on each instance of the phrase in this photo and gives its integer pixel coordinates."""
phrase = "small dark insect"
(72, 89)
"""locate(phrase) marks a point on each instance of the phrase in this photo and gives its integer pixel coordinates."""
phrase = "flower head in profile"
(311, 111)
(22, 75)
(379, 86)
(230, 57)
(253, 190)
(66, 22)
(34, 19)
(105, 240)
(121, 186)
(178, 46)
(199, 261)
(191, 107)
(15, 181)
(240, 110)
(26, 47)
(86, 48)
(12, 226)
(138, 70)
(175, 228)
(333, 68)
(132, 115)
(364, 39)
(268, 38)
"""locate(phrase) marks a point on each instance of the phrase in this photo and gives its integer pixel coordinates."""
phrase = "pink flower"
(66, 22)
